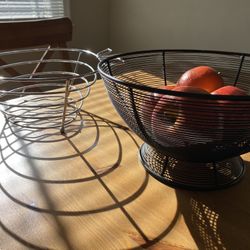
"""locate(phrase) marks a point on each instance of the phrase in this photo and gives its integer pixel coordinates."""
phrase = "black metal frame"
(190, 175)
(218, 140)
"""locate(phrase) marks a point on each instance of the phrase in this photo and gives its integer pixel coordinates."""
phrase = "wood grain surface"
(87, 190)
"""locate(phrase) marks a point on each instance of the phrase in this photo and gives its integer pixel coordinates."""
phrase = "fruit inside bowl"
(180, 121)
(204, 77)
(177, 117)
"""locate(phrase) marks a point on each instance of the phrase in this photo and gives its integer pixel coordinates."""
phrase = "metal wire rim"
(46, 109)
(139, 86)
(20, 51)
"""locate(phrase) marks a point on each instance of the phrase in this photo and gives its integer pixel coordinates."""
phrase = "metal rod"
(165, 165)
(164, 68)
(39, 63)
(137, 118)
(65, 106)
(36, 68)
(239, 70)
(215, 173)
(77, 60)
(109, 67)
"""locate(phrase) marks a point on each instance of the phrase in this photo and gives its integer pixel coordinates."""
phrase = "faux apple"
(203, 77)
(190, 110)
(180, 121)
(229, 90)
(234, 115)
(148, 104)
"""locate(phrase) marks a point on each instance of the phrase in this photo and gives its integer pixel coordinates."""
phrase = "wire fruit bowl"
(192, 141)
(45, 87)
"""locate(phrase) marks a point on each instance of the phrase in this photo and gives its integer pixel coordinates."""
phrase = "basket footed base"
(191, 175)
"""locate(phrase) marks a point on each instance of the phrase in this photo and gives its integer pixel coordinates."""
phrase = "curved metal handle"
(104, 54)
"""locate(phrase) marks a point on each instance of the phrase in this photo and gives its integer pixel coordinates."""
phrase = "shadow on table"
(26, 138)
(218, 219)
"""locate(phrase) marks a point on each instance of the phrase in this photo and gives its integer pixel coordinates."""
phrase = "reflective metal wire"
(33, 84)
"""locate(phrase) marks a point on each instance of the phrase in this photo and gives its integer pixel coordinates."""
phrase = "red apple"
(229, 90)
(234, 115)
(201, 77)
(186, 106)
(178, 120)
(148, 104)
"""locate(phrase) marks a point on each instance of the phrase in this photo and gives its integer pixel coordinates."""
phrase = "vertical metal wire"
(67, 86)
(164, 68)
(40, 61)
(137, 118)
(239, 70)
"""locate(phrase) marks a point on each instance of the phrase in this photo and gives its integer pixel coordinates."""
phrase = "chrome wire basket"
(192, 140)
(45, 87)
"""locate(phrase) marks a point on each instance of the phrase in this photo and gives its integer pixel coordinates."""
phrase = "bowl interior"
(187, 126)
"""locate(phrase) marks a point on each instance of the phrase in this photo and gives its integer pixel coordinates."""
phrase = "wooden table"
(88, 190)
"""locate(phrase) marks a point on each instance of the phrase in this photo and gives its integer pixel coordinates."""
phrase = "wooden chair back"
(45, 33)
(55, 32)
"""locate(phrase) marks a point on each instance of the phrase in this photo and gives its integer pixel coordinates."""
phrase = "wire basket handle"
(104, 54)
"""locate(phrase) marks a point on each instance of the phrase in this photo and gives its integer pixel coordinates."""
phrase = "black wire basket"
(195, 140)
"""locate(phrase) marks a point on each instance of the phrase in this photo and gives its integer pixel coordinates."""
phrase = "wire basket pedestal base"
(191, 175)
